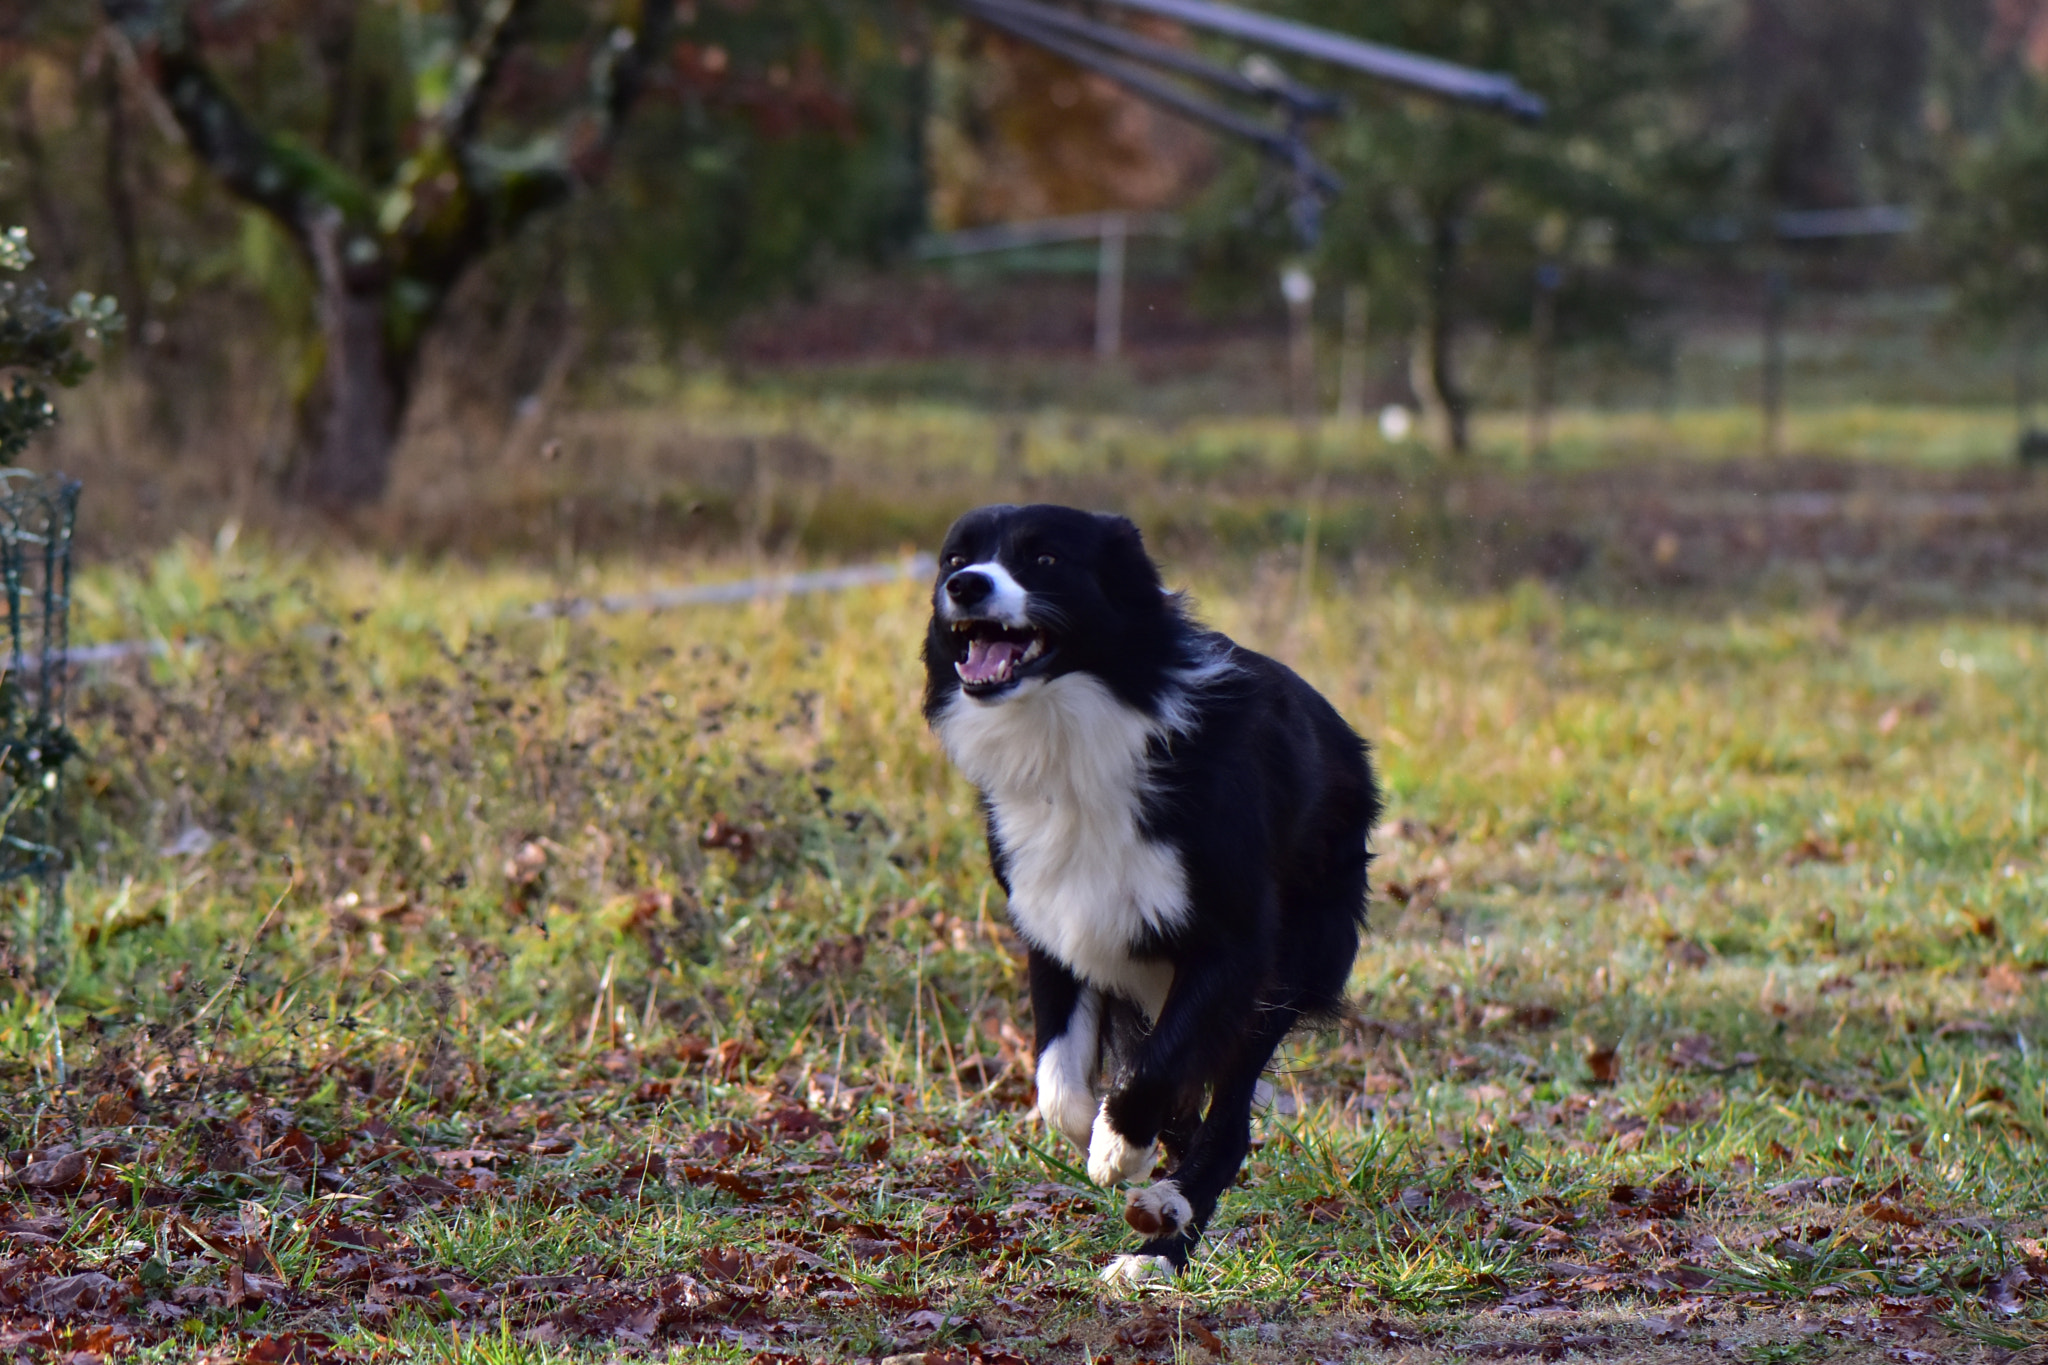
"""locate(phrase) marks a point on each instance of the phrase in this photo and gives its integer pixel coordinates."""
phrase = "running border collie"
(1181, 827)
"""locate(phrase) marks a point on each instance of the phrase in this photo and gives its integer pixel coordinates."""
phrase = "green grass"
(1706, 985)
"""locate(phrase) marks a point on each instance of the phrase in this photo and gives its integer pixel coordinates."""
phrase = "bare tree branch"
(287, 182)
(513, 186)
(630, 55)
(476, 70)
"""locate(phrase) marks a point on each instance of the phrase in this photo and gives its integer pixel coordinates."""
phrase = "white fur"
(1112, 1159)
(1127, 1272)
(1005, 604)
(1066, 1072)
(1063, 765)
(1177, 708)
(1168, 1208)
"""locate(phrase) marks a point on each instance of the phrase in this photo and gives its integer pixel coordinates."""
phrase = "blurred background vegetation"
(397, 260)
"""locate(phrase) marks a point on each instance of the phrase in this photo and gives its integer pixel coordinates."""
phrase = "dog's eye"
(1047, 560)
(956, 561)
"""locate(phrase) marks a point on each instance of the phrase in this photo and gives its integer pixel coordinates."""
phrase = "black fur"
(1265, 793)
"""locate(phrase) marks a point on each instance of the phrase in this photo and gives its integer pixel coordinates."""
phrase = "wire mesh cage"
(37, 513)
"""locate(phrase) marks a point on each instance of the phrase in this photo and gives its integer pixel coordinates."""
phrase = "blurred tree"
(1831, 89)
(396, 147)
(399, 192)
(1992, 215)
(1996, 225)
(1448, 212)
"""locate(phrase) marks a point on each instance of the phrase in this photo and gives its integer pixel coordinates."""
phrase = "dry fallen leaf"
(1885, 1211)
(2002, 978)
(1686, 952)
(68, 1295)
(293, 1348)
(112, 1109)
(1815, 848)
(1694, 1051)
(726, 1265)
(58, 1174)
(1149, 1331)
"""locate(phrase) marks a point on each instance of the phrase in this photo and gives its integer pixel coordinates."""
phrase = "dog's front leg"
(1202, 1009)
(1067, 1017)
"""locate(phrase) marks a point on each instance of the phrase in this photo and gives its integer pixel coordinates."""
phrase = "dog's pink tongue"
(989, 660)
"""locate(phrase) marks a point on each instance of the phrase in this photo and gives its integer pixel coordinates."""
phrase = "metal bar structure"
(1281, 145)
(1426, 75)
(1809, 225)
(1136, 62)
(1076, 227)
(1870, 220)
(1111, 233)
(1262, 85)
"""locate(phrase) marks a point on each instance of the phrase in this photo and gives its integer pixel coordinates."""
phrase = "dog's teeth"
(1034, 649)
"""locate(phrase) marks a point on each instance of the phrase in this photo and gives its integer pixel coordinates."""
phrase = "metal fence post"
(1543, 358)
(1109, 286)
(1776, 289)
(1351, 354)
(37, 513)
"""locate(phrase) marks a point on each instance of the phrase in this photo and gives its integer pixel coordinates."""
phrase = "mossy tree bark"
(385, 256)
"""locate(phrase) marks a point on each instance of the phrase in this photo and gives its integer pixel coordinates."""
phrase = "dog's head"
(1028, 594)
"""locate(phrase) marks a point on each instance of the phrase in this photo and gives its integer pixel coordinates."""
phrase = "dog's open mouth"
(989, 656)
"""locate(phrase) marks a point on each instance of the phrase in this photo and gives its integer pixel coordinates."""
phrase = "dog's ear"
(1128, 572)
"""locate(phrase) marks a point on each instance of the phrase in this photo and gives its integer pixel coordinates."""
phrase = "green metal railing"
(37, 513)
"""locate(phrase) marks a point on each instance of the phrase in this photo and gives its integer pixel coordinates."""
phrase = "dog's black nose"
(968, 587)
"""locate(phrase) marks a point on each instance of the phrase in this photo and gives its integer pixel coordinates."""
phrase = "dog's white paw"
(1127, 1272)
(1066, 1101)
(1111, 1159)
(1159, 1210)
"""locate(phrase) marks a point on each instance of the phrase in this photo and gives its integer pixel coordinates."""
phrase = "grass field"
(456, 985)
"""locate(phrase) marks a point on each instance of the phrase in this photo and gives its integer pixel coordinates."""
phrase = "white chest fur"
(1063, 765)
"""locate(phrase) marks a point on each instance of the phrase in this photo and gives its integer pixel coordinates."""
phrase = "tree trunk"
(121, 205)
(380, 290)
(351, 420)
(1432, 366)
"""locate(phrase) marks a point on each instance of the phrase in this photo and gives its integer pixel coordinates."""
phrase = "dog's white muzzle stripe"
(1005, 604)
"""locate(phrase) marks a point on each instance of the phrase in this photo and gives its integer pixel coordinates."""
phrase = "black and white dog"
(1181, 827)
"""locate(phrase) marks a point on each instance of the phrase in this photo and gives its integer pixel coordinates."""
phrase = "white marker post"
(1298, 287)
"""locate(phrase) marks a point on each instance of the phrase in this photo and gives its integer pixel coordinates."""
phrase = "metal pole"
(1351, 355)
(1542, 359)
(2023, 377)
(1109, 286)
(2032, 443)
(1776, 288)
